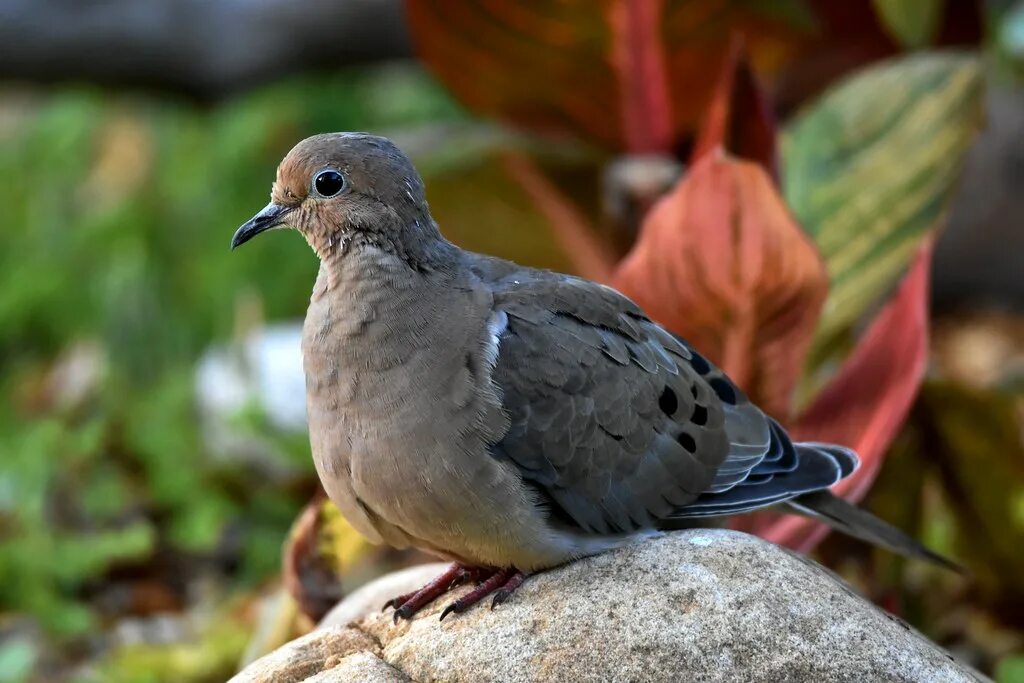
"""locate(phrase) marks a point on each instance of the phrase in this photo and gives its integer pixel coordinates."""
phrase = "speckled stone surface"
(359, 667)
(304, 658)
(708, 605)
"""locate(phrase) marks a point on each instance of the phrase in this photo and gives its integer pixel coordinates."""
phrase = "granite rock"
(701, 604)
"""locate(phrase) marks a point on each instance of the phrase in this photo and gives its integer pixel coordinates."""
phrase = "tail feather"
(859, 523)
(815, 467)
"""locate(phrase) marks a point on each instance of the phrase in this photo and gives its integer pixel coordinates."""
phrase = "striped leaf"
(869, 170)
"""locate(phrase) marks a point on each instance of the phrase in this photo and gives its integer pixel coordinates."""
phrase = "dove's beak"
(271, 216)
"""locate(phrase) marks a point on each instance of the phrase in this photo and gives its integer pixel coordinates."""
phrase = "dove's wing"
(621, 426)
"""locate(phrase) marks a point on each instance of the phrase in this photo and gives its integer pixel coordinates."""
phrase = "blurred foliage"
(914, 23)
(1011, 670)
(988, 486)
(1007, 20)
(212, 655)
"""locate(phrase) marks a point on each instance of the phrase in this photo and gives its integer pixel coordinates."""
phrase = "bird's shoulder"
(536, 295)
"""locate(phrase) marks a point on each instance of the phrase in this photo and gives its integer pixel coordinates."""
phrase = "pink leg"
(502, 583)
(408, 604)
(510, 586)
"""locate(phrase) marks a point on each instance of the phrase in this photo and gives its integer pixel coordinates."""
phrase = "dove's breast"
(402, 410)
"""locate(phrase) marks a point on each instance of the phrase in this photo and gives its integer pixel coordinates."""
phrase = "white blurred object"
(265, 372)
(75, 376)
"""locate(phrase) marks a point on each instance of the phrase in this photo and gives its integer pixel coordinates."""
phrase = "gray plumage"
(503, 416)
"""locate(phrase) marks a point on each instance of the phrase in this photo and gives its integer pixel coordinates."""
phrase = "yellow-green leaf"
(869, 169)
(913, 23)
(339, 542)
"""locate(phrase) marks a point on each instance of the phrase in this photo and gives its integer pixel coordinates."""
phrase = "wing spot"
(700, 415)
(699, 363)
(687, 442)
(724, 390)
(668, 402)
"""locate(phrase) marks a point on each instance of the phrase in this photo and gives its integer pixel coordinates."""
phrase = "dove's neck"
(378, 331)
(407, 291)
(415, 240)
(365, 266)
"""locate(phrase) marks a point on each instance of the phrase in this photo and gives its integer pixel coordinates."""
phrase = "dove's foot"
(502, 584)
(410, 603)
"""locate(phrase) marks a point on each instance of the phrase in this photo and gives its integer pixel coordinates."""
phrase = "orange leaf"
(868, 399)
(639, 63)
(720, 261)
(740, 118)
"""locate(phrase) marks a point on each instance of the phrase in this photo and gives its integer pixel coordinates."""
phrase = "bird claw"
(500, 597)
(394, 602)
(501, 584)
(463, 576)
(508, 588)
(454, 606)
(403, 612)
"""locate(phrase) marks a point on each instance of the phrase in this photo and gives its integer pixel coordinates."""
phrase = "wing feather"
(620, 425)
(601, 404)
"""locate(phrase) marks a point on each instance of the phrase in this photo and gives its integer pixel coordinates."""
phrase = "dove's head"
(336, 187)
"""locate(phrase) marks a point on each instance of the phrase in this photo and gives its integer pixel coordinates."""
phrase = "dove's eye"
(328, 183)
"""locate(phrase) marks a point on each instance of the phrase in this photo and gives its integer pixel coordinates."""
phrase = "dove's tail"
(854, 521)
(797, 475)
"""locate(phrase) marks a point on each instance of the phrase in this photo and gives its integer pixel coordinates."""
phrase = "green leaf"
(870, 167)
(914, 23)
(975, 436)
(1010, 670)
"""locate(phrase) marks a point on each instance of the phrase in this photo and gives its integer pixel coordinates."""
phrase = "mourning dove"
(506, 418)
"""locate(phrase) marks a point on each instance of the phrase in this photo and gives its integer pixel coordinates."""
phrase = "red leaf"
(721, 261)
(740, 118)
(631, 75)
(867, 401)
(592, 257)
(636, 53)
